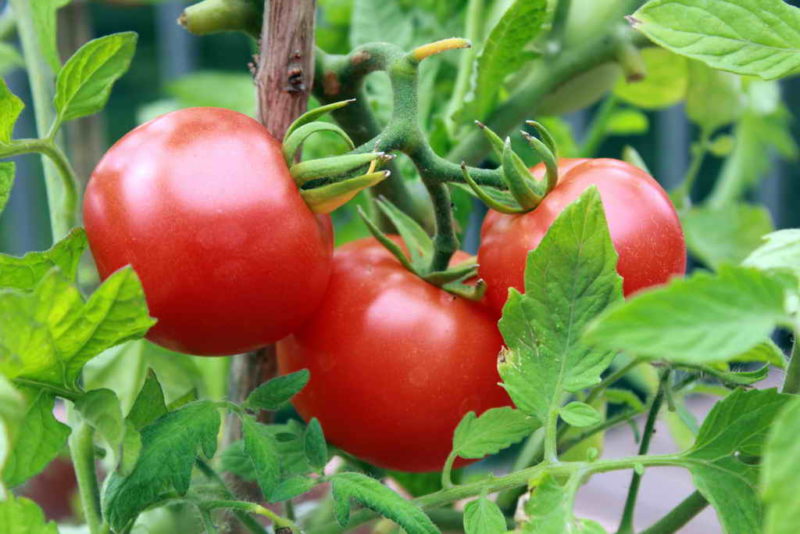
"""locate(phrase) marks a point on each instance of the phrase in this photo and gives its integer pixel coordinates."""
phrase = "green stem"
(447, 470)
(678, 516)
(560, 19)
(598, 131)
(472, 26)
(81, 446)
(626, 523)
(445, 241)
(611, 379)
(682, 195)
(252, 508)
(791, 381)
(551, 437)
(64, 393)
(250, 523)
(40, 76)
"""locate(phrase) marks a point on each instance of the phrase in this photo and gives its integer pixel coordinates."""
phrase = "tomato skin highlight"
(200, 202)
(644, 227)
(395, 362)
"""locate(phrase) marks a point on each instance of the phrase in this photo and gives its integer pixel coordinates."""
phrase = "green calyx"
(327, 183)
(418, 251)
(525, 192)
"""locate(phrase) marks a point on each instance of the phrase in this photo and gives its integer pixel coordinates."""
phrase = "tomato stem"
(675, 519)
(81, 446)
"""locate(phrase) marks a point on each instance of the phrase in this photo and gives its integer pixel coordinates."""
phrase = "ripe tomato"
(200, 202)
(395, 362)
(644, 228)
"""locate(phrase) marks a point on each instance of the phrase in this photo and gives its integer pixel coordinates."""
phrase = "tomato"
(200, 202)
(395, 362)
(644, 228)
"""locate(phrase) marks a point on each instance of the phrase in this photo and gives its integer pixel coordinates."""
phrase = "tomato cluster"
(201, 203)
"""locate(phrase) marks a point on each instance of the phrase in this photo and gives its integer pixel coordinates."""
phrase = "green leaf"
(84, 83)
(292, 487)
(725, 235)
(169, 449)
(315, 446)
(713, 99)
(780, 250)
(664, 84)
(377, 497)
(26, 272)
(41, 439)
(7, 169)
(548, 509)
(261, 448)
(702, 319)
(218, 89)
(722, 461)
(44, 21)
(628, 121)
(570, 278)
(10, 108)
(503, 53)
(149, 404)
(482, 516)
(19, 515)
(277, 391)
(766, 351)
(384, 21)
(749, 37)
(48, 335)
(780, 485)
(493, 431)
(10, 59)
(12, 410)
(580, 414)
(101, 410)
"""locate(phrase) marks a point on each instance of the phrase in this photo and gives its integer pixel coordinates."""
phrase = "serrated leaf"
(101, 410)
(10, 108)
(169, 449)
(717, 236)
(84, 83)
(25, 272)
(580, 414)
(748, 37)
(713, 98)
(149, 404)
(7, 171)
(292, 487)
(722, 459)
(570, 278)
(548, 509)
(49, 334)
(502, 53)
(664, 83)
(494, 430)
(780, 485)
(40, 441)
(19, 515)
(260, 446)
(702, 319)
(315, 446)
(482, 516)
(780, 250)
(377, 497)
(274, 393)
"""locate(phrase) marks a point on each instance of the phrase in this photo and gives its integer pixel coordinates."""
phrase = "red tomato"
(201, 204)
(644, 228)
(395, 362)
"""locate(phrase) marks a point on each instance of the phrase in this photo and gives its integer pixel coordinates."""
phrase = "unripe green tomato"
(581, 91)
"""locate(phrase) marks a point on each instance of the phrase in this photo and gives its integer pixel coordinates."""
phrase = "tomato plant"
(364, 335)
(644, 228)
(200, 202)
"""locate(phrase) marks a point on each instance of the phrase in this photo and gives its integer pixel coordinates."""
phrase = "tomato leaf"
(494, 430)
(580, 414)
(84, 83)
(766, 351)
(548, 508)
(713, 99)
(482, 516)
(27, 271)
(7, 170)
(49, 334)
(780, 250)
(149, 404)
(292, 487)
(260, 446)
(748, 37)
(723, 459)
(169, 449)
(314, 444)
(10, 108)
(23, 516)
(41, 439)
(664, 84)
(276, 392)
(376, 496)
(12, 410)
(701, 319)
(780, 485)
(718, 236)
(502, 53)
(570, 278)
